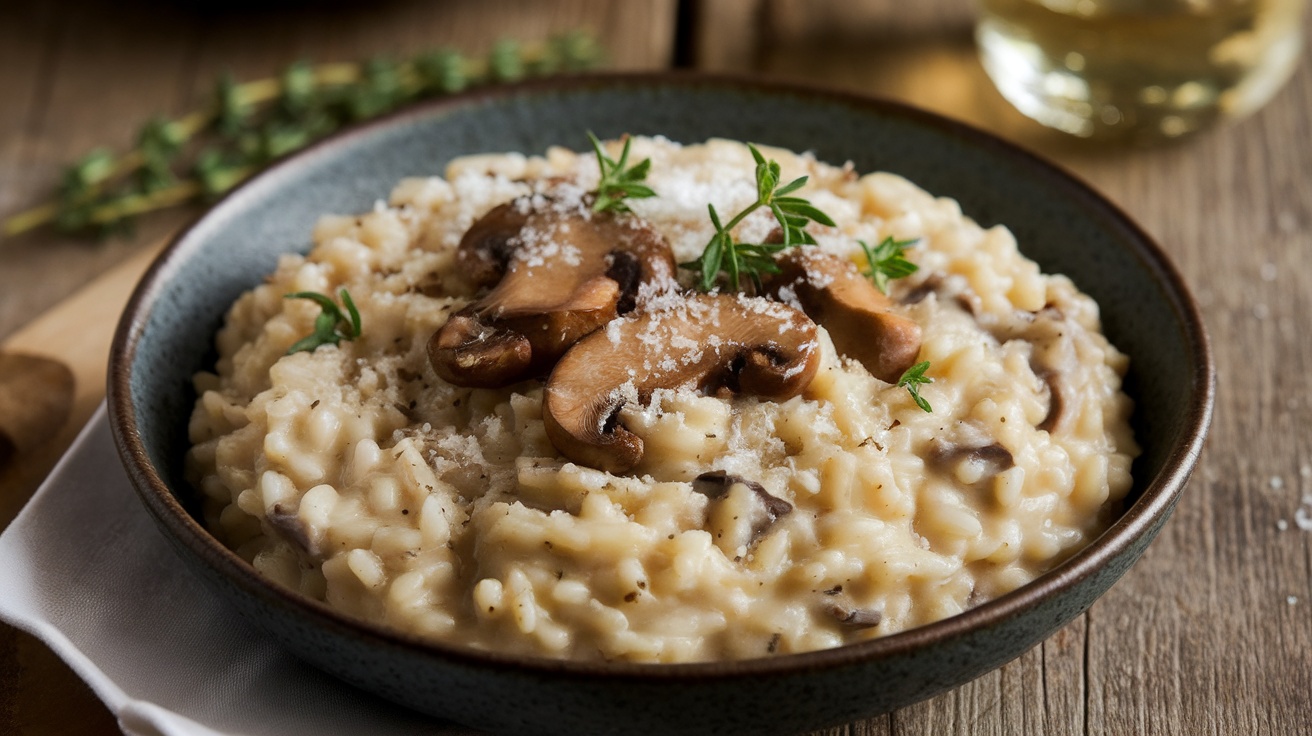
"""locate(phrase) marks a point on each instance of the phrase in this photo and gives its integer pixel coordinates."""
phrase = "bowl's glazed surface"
(167, 332)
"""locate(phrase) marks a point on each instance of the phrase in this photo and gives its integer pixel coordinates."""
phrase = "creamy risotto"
(668, 475)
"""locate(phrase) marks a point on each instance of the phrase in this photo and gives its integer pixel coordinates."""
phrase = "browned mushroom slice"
(856, 314)
(486, 247)
(741, 511)
(715, 342)
(558, 271)
(476, 350)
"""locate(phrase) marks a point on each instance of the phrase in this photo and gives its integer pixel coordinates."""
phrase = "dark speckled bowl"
(166, 336)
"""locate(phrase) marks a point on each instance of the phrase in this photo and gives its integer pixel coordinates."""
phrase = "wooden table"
(1210, 633)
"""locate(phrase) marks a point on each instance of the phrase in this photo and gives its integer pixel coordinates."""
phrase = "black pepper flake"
(405, 512)
(631, 596)
(314, 404)
(834, 590)
(547, 543)
(773, 646)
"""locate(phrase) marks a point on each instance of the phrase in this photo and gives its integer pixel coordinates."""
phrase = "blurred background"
(1232, 205)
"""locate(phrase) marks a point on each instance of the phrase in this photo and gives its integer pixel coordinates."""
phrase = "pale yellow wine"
(1145, 68)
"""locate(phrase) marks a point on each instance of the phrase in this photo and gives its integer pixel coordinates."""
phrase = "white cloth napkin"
(84, 568)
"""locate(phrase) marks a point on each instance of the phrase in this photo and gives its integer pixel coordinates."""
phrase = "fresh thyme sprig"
(911, 380)
(201, 155)
(736, 259)
(331, 326)
(886, 261)
(618, 183)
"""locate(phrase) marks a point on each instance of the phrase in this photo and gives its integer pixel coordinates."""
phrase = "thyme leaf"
(617, 182)
(911, 380)
(886, 261)
(724, 254)
(331, 326)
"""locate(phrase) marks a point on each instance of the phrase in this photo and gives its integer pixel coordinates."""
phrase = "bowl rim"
(1156, 500)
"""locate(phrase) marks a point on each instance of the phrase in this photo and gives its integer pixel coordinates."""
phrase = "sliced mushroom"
(714, 342)
(1047, 331)
(991, 459)
(855, 618)
(1041, 327)
(856, 314)
(741, 510)
(965, 299)
(716, 483)
(292, 528)
(558, 271)
(929, 286)
(1056, 404)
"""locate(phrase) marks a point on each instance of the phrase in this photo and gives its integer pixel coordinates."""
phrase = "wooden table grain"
(1210, 633)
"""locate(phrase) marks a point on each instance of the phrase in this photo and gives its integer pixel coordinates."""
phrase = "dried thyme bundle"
(200, 156)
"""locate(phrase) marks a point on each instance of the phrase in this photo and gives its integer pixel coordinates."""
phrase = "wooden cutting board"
(74, 335)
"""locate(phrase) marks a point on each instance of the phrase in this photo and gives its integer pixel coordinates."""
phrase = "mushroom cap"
(857, 315)
(715, 342)
(558, 271)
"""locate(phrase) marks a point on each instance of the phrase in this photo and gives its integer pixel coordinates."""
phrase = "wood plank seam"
(42, 91)
(1088, 691)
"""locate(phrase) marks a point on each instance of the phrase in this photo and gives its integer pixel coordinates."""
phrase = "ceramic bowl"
(167, 332)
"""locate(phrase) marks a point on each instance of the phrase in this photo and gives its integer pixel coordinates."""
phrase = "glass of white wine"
(1138, 69)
